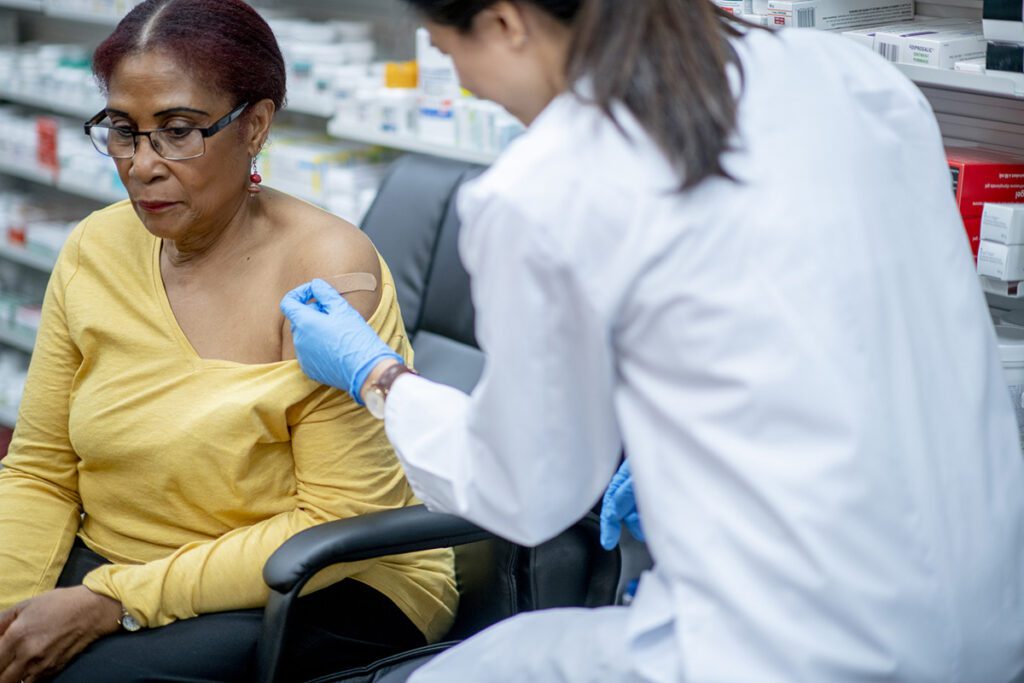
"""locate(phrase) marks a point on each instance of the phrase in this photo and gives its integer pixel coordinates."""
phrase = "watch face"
(375, 402)
(129, 624)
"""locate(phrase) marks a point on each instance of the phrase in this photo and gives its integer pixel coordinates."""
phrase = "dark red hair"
(222, 42)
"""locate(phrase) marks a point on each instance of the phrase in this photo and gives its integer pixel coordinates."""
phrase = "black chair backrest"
(414, 225)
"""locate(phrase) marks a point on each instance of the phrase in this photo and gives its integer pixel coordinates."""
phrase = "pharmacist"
(736, 255)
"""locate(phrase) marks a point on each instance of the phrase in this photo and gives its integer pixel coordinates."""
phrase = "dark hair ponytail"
(667, 61)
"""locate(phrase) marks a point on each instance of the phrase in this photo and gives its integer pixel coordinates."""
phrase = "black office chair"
(414, 225)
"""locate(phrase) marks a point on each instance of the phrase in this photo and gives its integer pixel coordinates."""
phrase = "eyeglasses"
(177, 143)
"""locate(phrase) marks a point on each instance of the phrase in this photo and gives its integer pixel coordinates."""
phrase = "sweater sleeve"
(344, 467)
(40, 509)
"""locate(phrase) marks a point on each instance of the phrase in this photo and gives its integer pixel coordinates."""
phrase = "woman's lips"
(156, 207)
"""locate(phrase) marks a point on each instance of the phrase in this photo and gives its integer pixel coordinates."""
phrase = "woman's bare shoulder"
(317, 244)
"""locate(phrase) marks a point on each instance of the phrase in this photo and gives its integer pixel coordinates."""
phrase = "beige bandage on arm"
(347, 283)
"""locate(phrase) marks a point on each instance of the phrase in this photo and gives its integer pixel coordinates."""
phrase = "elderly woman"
(168, 442)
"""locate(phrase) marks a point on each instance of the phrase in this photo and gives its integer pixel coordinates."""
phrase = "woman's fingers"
(49, 630)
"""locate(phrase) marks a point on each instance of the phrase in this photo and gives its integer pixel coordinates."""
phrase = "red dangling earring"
(254, 181)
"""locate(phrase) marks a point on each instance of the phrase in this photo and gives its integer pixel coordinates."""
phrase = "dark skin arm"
(40, 636)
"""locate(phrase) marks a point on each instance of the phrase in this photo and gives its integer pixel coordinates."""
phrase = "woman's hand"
(40, 636)
(333, 343)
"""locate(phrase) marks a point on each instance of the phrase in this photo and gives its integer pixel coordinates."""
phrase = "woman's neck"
(221, 245)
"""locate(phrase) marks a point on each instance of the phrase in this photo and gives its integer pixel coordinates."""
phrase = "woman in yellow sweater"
(168, 443)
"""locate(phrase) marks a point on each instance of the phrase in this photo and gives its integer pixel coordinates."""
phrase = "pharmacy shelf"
(998, 85)
(308, 106)
(8, 416)
(408, 144)
(18, 340)
(79, 111)
(26, 258)
(35, 5)
(71, 185)
(82, 187)
(35, 174)
(83, 16)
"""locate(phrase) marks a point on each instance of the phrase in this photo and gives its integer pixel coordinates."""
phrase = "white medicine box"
(943, 49)
(839, 15)
(1003, 223)
(1001, 261)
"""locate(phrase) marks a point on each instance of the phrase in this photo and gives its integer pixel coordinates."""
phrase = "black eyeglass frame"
(209, 131)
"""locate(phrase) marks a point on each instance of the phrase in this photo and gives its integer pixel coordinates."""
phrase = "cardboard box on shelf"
(1001, 261)
(981, 175)
(943, 49)
(972, 226)
(892, 44)
(1003, 223)
(866, 36)
(839, 15)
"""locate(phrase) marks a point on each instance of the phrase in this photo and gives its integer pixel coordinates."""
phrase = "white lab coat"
(800, 365)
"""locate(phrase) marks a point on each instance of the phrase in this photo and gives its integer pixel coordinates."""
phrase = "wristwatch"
(378, 392)
(128, 622)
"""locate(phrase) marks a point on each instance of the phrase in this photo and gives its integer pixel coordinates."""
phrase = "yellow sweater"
(186, 473)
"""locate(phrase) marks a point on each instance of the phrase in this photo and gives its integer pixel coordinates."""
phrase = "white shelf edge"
(1002, 85)
(309, 107)
(38, 175)
(47, 104)
(44, 177)
(19, 340)
(8, 416)
(408, 144)
(26, 258)
(34, 5)
(85, 190)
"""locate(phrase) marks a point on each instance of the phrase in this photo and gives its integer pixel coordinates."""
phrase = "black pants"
(345, 625)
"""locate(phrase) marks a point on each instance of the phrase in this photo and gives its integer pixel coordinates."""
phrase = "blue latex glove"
(618, 507)
(333, 343)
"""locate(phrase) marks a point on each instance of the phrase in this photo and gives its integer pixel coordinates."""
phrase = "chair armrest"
(391, 532)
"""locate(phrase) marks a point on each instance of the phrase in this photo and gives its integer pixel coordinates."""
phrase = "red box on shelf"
(983, 175)
(973, 228)
(46, 132)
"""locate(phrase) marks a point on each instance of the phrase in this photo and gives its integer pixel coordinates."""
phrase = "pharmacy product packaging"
(866, 36)
(1004, 20)
(1007, 57)
(893, 44)
(943, 49)
(971, 66)
(972, 226)
(839, 15)
(1001, 261)
(981, 175)
(736, 7)
(439, 88)
(1003, 223)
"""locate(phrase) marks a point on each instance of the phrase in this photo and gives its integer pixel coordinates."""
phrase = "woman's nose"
(147, 165)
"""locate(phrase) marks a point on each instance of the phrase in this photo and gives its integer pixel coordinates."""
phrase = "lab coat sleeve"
(534, 446)
(40, 506)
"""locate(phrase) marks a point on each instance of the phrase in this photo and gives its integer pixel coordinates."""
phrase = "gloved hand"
(618, 506)
(333, 343)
